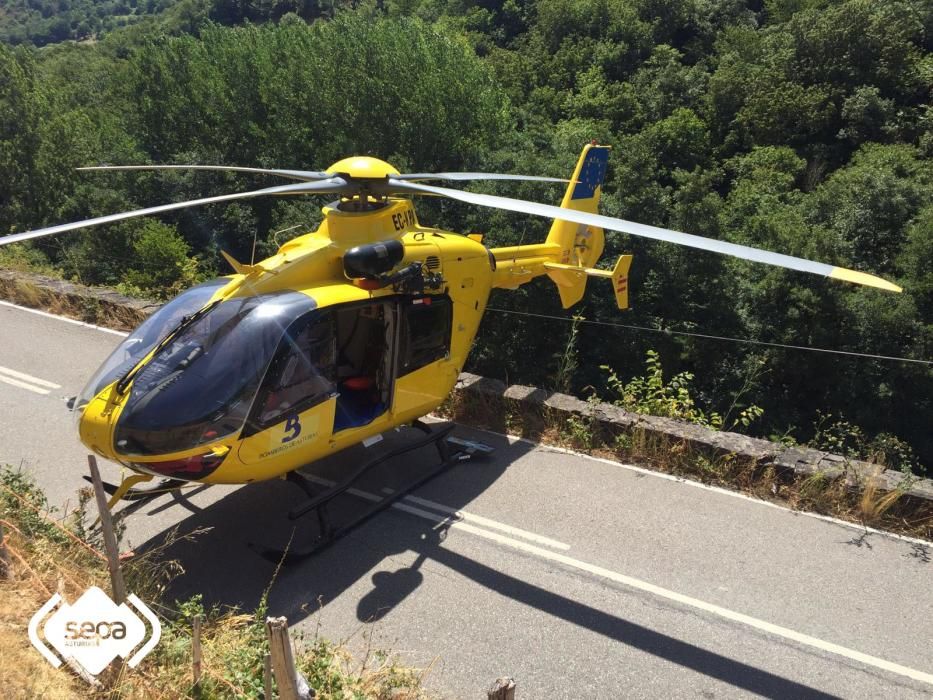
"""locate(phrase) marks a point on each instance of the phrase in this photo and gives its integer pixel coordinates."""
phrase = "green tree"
(161, 264)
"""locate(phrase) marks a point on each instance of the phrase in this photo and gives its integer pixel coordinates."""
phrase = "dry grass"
(843, 494)
(874, 503)
(50, 553)
(45, 560)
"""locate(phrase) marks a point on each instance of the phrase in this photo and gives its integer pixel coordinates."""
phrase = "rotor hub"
(365, 167)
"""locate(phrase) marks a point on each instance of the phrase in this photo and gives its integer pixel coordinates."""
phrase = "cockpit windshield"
(141, 341)
(199, 387)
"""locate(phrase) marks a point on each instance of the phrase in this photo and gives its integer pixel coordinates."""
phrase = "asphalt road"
(578, 577)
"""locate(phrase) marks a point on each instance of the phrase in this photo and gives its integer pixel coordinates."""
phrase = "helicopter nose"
(95, 425)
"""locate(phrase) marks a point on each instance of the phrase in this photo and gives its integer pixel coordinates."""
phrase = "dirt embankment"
(103, 307)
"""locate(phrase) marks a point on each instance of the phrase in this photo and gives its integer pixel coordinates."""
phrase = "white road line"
(658, 591)
(486, 522)
(735, 494)
(705, 487)
(28, 378)
(23, 385)
(63, 318)
(717, 610)
(450, 513)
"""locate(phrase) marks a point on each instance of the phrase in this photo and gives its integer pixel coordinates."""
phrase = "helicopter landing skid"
(450, 450)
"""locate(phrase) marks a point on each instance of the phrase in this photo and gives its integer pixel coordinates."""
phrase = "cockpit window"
(200, 386)
(425, 333)
(140, 342)
(303, 372)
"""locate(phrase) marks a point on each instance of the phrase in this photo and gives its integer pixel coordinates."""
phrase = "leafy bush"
(842, 437)
(161, 266)
(651, 395)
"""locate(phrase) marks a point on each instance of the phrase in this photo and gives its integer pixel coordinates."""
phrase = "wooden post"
(110, 538)
(6, 569)
(502, 689)
(196, 650)
(292, 686)
(267, 676)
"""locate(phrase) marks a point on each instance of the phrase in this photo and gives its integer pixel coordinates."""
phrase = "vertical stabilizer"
(580, 246)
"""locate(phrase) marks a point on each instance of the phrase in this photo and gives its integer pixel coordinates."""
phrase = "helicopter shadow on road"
(224, 564)
(221, 566)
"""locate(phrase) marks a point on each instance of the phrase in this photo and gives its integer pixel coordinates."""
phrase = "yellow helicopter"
(346, 332)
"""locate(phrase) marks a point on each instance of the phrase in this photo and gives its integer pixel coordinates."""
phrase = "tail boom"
(571, 250)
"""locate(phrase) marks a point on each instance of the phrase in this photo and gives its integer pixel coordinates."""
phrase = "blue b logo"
(292, 426)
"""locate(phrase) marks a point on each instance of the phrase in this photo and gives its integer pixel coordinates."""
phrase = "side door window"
(425, 332)
(302, 373)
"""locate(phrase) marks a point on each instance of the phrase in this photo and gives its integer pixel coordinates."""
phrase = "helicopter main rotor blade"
(303, 175)
(313, 176)
(334, 185)
(463, 177)
(645, 231)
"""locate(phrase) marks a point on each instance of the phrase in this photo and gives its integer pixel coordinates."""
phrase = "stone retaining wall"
(800, 460)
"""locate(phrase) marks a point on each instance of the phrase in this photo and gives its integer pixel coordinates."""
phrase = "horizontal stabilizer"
(569, 276)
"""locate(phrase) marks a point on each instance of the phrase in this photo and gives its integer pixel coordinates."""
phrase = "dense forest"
(43, 22)
(800, 126)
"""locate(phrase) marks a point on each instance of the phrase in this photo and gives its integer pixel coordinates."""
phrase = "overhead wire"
(707, 336)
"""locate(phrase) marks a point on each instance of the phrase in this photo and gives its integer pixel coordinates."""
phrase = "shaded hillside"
(41, 22)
